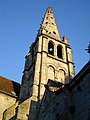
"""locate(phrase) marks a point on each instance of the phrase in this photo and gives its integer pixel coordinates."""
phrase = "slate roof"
(82, 73)
(9, 87)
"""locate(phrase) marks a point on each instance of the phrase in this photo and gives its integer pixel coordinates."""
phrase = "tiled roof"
(8, 86)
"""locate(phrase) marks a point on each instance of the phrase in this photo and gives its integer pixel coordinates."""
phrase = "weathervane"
(88, 48)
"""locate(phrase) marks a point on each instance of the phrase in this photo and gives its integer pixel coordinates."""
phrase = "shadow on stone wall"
(55, 105)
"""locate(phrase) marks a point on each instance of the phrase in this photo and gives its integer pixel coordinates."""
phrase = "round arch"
(59, 51)
(49, 64)
(62, 68)
(51, 47)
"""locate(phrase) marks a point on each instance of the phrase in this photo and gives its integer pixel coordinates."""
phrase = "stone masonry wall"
(10, 113)
(81, 99)
(5, 102)
(55, 105)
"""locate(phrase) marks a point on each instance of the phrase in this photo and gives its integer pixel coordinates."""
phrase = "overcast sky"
(20, 20)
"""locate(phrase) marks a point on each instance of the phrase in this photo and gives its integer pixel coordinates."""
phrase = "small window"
(52, 23)
(54, 32)
(59, 51)
(46, 22)
(46, 17)
(51, 17)
(51, 48)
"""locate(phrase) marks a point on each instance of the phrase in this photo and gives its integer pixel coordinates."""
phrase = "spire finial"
(49, 10)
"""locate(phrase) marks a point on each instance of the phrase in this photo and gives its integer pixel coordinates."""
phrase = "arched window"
(59, 51)
(50, 48)
(51, 72)
(61, 76)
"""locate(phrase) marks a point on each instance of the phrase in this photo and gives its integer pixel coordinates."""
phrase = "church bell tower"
(49, 57)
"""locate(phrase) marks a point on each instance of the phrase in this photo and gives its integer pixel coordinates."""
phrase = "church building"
(49, 89)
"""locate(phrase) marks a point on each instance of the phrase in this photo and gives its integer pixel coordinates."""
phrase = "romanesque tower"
(49, 57)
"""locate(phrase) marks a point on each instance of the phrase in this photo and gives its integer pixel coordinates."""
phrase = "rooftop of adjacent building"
(81, 74)
(9, 87)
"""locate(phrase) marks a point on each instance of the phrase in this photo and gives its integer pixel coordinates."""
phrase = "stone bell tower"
(49, 58)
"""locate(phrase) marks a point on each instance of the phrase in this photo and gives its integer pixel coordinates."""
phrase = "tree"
(88, 48)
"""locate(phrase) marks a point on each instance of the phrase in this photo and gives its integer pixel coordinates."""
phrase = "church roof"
(9, 87)
(82, 73)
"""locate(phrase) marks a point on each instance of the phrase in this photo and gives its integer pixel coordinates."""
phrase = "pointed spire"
(65, 39)
(48, 25)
